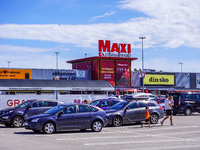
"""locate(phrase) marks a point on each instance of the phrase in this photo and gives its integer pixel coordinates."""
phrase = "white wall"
(13, 100)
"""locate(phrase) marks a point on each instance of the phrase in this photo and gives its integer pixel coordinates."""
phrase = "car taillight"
(179, 101)
(161, 108)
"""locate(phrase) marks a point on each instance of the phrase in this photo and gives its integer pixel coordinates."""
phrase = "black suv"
(186, 102)
(16, 116)
(134, 111)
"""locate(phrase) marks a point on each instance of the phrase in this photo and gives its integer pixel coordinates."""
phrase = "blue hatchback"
(65, 117)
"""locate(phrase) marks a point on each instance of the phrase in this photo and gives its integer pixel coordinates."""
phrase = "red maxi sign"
(116, 50)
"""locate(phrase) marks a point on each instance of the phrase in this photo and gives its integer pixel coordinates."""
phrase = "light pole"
(181, 72)
(57, 60)
(57, 72)
(142, 61)
(181, 66)
(9, 69)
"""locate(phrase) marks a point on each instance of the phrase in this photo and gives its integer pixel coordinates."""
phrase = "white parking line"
(179, 133)
(160, 128)
(104, 137)
(108, 131)
(168, 147)
(136, 142)
(137, 135)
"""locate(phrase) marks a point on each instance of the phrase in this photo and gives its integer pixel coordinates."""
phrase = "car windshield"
(54, 109)
(95, 102)
(119, 105)
(24, 104)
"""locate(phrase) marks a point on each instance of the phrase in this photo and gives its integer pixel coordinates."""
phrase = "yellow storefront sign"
(15, 74)
(158, 79)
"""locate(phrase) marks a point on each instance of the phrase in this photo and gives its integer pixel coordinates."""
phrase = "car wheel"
(154, 118)
(49, 128)
(188, 111)
(18, 121)
(117, 121)
(97, 126)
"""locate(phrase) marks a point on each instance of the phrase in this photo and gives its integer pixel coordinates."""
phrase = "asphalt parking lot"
(184, 135)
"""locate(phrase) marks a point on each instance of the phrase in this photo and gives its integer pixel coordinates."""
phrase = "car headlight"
(35, 120)
(5, 117)
(8, 112)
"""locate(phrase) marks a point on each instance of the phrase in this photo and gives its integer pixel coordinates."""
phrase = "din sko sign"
(114, 50)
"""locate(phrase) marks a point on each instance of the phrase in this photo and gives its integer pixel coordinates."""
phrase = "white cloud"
(102, 16)
(167, 66)
(11, 49)
(170, 24)
(29, 57)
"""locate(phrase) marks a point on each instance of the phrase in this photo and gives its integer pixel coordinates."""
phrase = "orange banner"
(15, 74)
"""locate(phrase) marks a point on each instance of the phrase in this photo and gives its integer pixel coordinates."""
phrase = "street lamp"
(57, 60)
(57, 73)
(9, 69)
(181, 66)
(142, 61)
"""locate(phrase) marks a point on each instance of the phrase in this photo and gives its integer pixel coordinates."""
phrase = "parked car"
(105, 103)
(16, 116)
(64, 117)
(162, 96)
(136, 96)
(134, 111)
(151, 96)
(160, 101)
(186, 102)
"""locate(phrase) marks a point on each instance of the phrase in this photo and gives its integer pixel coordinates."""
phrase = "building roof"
(101, 57)
(72, 85)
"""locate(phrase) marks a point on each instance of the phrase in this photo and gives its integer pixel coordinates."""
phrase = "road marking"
(167, 147)
(104, 137)
(113, 130)
(137, 135)
(136, 142)
(179, 133)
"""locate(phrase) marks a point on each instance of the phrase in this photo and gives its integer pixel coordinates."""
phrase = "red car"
(159, 100)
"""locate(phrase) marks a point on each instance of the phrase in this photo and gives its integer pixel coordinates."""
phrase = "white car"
(151, 96)
(137, 96)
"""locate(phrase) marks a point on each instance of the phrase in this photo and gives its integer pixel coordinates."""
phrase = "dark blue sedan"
(65, 117)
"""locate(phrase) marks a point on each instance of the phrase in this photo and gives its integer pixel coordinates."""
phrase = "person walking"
(86, 101)
(171, 101)
(169, 110)
(147, 118)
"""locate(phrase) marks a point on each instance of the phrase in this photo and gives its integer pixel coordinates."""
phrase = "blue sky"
(31, 31)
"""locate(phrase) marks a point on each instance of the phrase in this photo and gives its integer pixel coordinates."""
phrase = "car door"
(34, 109)
(131, 112)
(67, 118)
(142, 110)
(84, 116)
(197, 102)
